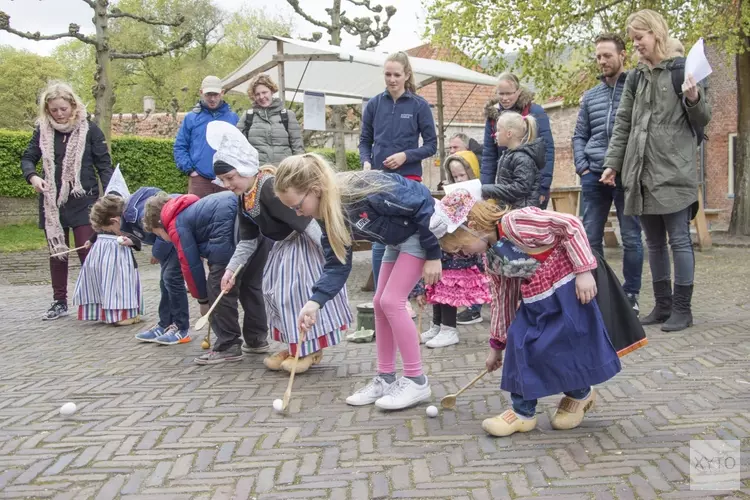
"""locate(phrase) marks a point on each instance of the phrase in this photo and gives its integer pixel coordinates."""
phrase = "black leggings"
(444, 315)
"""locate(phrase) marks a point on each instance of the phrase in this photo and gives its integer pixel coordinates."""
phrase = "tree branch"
(186, 39)
(309, 19)
(90, 3)
(73, 32)
(117, 13)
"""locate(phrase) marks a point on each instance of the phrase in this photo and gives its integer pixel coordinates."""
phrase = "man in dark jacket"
(192, 154)
(590, 141)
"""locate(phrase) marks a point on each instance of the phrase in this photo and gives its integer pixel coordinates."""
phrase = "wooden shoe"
(304, 362)
(274, 361)
(508, 423)
(570, 412)
(129, 321)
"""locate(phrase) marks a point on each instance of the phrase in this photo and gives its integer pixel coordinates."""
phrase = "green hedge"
(143, 161)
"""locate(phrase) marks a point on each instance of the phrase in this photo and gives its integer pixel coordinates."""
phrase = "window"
(732, 164)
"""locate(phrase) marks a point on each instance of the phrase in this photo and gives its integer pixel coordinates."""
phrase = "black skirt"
(624, 328)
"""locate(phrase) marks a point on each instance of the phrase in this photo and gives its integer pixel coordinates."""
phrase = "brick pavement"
(151, 424)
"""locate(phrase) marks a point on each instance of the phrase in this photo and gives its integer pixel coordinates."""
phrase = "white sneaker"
(373, 391)
(430, 334)
(404, 393)
(447, 336)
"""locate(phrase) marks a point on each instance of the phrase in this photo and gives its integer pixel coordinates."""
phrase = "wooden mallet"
(449, 401)
(288, 393)
(68, 251)
(204, 319)
(206, 344)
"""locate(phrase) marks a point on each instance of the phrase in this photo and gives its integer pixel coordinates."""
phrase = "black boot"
(682, 316)
(663, 308)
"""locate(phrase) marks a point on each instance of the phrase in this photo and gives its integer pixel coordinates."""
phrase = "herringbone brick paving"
(151, 424)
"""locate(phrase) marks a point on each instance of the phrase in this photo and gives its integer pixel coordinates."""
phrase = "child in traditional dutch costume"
(108, 288)
(295, 261)
(557, 342)
(464, 283)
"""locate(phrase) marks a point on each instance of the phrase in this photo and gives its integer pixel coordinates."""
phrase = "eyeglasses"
(298, 206)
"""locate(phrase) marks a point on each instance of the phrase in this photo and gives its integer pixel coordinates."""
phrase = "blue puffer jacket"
(596, 120)
(191, 151)
(132, 222)
(389, 217)
(201, 228)
(395, 127)
(491, 151)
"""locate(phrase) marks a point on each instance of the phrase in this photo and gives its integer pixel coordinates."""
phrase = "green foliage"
(22, 76)
(143, 161)
(352, 157)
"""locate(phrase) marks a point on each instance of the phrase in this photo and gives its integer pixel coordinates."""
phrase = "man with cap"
(192, 154)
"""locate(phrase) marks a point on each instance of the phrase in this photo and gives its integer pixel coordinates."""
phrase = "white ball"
(432, 411)
(68, 409)
(120, 240)
(278, 405)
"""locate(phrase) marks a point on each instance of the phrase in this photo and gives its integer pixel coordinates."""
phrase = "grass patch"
(21, 238)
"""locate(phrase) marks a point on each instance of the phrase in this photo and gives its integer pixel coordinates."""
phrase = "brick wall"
(160, 125)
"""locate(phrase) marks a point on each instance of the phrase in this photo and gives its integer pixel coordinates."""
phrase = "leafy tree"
(22, 74)
(545, 32)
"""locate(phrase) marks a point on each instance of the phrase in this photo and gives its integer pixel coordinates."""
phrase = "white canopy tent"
(344, 76)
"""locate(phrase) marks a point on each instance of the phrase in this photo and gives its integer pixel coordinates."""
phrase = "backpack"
(677, 72)
(284, 121)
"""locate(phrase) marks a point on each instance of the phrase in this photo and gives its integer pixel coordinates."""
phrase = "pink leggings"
(393, 325)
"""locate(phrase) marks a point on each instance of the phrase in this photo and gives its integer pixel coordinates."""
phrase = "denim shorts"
(411, 246)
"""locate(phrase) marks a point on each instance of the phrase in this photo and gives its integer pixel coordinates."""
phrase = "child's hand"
(432, 271)
(87, 245)
(585, 287)
(126, 242)
(154, 260)
(494, 360)
(204, 308)
(421, 300)
(308, 315)
(227, 281)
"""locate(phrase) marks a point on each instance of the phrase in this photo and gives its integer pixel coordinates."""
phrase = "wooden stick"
(288, 393)
(68, 251)
(204, 319)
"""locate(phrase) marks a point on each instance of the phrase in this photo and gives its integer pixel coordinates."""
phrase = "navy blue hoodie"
(132, 222)
(395, 127)
(388, 217)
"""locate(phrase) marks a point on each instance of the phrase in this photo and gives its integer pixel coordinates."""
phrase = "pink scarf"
(78, 128)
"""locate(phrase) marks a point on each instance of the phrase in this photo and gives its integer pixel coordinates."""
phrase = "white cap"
(211, 85)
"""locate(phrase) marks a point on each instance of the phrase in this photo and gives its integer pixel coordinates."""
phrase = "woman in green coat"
(654, 149)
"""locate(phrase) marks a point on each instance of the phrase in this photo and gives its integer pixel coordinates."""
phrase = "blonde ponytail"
(523, 127)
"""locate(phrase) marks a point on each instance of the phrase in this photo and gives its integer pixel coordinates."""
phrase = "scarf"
(78, 128)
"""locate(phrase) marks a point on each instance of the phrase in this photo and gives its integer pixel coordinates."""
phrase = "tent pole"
(282, 76)
(441, 128)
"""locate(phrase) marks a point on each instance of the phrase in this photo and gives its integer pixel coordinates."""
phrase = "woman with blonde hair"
(372, 206)
(74, 158)
(654, 144)
(271, 128)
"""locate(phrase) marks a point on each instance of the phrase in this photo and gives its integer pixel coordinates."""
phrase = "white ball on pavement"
(278, 405)
(432, 411)
(120, 240)
(68, 409)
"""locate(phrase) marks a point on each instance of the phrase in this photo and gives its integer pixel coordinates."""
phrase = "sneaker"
(259, 348)
(151, 334)
(633, 299)
(370, 393)
(430, 334)
(172, 335)
(447, 336)
(403, 394)
(234, 353)
(570, 412)
(469, 317)
(508, 423)
(58, 309)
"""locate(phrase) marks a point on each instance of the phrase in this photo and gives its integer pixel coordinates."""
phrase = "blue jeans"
(173, 305)
(597, 200)
(378, 250)
(677, 227)
(527, 407)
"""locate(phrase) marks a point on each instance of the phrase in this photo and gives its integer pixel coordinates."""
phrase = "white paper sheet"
(117, 184)
(315, 111)
(474, 187)
(696, 62)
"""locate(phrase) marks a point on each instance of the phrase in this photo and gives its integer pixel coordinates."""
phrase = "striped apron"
(108, 287)
(293, 267)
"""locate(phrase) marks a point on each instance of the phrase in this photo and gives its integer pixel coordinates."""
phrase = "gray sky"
(54, 16)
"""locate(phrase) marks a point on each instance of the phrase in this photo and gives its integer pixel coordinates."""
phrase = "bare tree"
(103, 89)
(369, 36)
